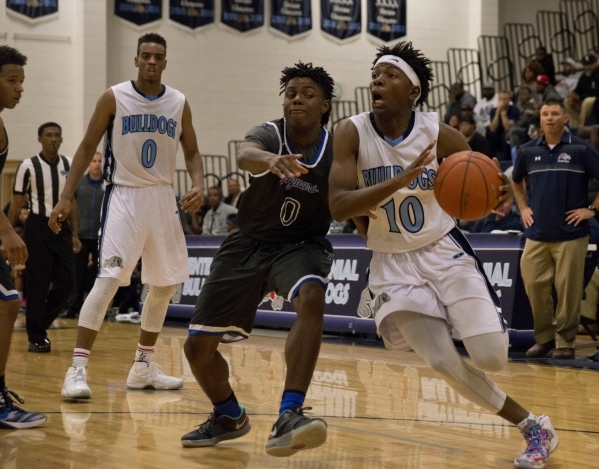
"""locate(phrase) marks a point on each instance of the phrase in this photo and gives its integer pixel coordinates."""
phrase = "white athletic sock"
(144, 353)
(80, 357)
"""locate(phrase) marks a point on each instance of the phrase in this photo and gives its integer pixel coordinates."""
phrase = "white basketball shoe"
(75, 384)
(144, 375)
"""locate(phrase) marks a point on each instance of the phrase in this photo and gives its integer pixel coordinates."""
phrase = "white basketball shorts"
(142, 222)
(444, 279)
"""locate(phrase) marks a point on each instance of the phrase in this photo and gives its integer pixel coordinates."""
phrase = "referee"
(50, 262)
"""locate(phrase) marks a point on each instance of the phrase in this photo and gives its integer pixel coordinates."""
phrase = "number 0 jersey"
(140, 148)
(411, 218)
(289, 210)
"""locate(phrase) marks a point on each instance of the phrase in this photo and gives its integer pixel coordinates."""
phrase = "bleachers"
(569, 32)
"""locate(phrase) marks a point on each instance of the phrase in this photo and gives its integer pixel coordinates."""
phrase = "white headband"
(404, 67)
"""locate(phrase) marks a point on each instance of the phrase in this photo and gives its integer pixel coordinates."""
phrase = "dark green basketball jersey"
(294, 209)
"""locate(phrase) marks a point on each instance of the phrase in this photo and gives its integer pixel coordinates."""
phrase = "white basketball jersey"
(411, 218)
(140, 149)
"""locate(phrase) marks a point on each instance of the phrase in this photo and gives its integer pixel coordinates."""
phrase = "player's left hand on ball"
(193, 200)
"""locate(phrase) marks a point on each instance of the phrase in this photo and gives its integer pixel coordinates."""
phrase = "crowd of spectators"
(502, 123)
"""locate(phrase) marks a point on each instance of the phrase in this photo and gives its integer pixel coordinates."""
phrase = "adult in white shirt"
(215, 220)
(570, 80)
(482, 110)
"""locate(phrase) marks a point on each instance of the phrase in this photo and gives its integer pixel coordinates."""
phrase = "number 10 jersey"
(140, 148)
(411, 218)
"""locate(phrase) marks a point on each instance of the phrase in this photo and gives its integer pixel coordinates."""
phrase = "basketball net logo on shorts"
(276, 301)
(114, 261)
(379, 301)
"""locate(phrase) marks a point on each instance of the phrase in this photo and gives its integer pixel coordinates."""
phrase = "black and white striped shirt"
(42, 181)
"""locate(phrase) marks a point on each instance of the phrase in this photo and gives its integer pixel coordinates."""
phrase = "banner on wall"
(291, 17)
(139, 12)
(243, 15)
(387, 19)
(32, 9)
(192, 13)
(341, 18)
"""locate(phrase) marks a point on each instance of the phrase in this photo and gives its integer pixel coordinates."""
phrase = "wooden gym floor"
(384, 410)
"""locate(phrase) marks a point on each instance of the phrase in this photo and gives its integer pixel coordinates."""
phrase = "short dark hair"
(11, 56)
(151, 37)
(555, 102)
(43, 127)
(415, 59)
(317, 74)
(468, 119)
(218, 188)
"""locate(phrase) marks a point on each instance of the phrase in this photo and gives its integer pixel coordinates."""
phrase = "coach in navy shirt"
(554, 211)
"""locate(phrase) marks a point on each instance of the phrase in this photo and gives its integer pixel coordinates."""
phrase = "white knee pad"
(489, 352)
(154, 310)
(94, 308)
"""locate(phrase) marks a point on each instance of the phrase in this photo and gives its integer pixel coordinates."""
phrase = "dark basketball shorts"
(7, 287)
(245, 270)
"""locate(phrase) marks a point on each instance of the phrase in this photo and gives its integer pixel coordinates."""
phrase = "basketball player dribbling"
(144, 121)
(279, 246)
(12, 76)
(425, 278)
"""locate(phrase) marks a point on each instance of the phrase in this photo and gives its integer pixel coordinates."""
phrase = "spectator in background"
(215, 220)
(482, 110)
(524, 99)
(476, 141)
(89, 195)
(504, 116)
(554, 207)
(545, 60)
(50, 265)
(526, 128)
(529, 77)
(570, 78)
(458, 96)
(587, 88)
(454, 121)
(466, 112)
(545, 89)
(235, 193)
(196, 220)
(503, 219)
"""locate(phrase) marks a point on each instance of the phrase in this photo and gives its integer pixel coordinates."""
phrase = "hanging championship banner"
(341, 18)
(32, 9)
(387, 19)
(192, 13)
(291, 17)
(243, 15)
(139, 12)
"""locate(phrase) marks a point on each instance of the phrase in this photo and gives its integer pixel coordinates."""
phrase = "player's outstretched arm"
(345, 201)
(192, 201)
(99, 122)
(254, 158)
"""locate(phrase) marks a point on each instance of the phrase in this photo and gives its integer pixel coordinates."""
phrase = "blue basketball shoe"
(14, 417)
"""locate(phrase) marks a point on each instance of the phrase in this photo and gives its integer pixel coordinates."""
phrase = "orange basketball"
(466, 185)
